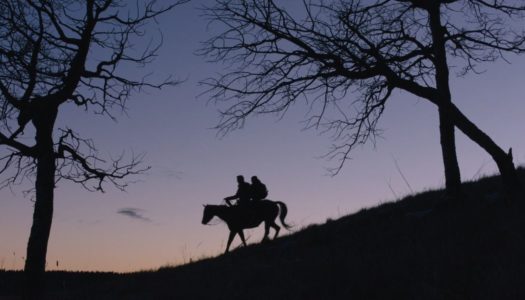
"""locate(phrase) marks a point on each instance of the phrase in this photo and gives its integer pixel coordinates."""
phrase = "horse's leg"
(230, 239)
(276, 227)
(241, 234)
(273, 224)
(266, 231)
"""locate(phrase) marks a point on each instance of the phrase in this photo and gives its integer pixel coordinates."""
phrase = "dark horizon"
(191, 166)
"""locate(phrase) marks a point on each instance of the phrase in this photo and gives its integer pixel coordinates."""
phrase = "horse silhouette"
(248, 216)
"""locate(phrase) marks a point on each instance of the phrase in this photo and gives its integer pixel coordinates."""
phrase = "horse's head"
(208, 214)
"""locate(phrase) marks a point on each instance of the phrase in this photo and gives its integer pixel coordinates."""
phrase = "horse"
(248, 215)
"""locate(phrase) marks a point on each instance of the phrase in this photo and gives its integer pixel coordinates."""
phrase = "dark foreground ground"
(416, 248)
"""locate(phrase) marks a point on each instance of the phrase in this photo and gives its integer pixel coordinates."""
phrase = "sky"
(156, 221)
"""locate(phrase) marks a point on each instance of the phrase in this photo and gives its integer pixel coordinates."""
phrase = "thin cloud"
(134, 213)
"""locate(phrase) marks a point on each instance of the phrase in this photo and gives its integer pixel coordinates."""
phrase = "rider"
(243, 194)
(259, 191)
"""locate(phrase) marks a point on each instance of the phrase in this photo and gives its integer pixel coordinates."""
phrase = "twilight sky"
(156, 222)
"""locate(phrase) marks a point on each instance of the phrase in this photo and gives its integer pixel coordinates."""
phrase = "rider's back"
(259, 191)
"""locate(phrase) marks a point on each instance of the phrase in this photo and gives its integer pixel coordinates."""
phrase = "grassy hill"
(415, 248)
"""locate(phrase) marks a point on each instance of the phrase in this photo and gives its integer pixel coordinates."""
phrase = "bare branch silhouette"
(345, 59)
(77, 53)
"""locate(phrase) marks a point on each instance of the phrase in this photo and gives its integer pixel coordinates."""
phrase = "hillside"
(415, 248)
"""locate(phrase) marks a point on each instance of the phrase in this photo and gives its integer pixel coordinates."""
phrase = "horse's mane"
(219, 208)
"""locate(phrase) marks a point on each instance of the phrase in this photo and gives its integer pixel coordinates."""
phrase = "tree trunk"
(446, 126)
(449, 114)
(503, 159)
(450, 159)
(43, 212)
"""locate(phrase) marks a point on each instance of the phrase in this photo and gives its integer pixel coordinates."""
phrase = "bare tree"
(365, 49)
(56, 53)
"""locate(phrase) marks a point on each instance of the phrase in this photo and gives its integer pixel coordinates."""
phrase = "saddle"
(248, 209)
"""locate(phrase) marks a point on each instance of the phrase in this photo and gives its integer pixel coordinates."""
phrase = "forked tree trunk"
(504, 160)
(450, 114)
(43, 211)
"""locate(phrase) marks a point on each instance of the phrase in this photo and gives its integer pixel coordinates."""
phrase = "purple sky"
(157, 221)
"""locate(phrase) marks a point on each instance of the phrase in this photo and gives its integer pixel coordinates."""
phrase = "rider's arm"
(229, 199)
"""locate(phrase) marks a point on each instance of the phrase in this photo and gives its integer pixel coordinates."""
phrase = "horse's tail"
(283, 210)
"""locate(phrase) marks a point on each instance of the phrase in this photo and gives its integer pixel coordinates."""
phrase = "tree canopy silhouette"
(362, 49)
(57, 53)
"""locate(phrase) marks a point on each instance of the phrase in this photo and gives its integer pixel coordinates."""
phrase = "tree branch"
(81, 168)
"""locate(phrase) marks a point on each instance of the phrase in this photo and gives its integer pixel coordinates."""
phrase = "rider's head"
(240, 178)
(255, 179)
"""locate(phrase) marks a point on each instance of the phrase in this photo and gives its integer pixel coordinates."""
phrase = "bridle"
(212, 224)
